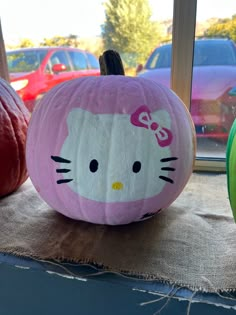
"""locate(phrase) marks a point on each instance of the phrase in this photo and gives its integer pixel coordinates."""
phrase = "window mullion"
(3, 59)
(184, 22)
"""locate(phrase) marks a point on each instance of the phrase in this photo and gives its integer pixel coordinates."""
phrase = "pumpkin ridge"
(16, 101)
(19, 141)
(194, 141)
(14, 138)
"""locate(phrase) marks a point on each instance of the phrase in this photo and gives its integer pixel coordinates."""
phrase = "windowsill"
(33, 287)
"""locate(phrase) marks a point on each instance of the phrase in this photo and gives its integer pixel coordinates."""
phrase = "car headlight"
(18, 85)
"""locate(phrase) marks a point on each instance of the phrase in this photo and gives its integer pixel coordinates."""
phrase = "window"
(93, 62)
(214, 77)
(78, 60)
(210, 59)
(25, 61)
(160, 58)
(60, 57)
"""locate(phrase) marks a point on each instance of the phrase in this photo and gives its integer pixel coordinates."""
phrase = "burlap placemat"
(192, 243)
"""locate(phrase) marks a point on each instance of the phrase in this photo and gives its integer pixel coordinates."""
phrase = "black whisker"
(59, 159)
(167, 179)
(63, 181)
(168, 169)
(62, 170)
(169, 159)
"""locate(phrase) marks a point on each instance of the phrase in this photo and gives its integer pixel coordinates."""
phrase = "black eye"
(93, 166)
(136, 166)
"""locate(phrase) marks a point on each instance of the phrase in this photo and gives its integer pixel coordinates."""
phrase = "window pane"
(133, 30)
(93, 62)
(78, 60)
(214, 76)
(60, 57)
(24, 61)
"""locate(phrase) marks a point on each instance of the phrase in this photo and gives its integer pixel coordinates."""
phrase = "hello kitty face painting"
(110, 149)
(109, 163)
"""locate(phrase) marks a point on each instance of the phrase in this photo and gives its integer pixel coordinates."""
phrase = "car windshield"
(24, 61)
(206, 53)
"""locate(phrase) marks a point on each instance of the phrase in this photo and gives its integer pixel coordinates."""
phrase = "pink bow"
(142, 118)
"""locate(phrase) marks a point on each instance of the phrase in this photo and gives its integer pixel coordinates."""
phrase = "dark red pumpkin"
(14, 119)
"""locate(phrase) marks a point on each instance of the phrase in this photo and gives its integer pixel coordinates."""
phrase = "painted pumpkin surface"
(110, 149)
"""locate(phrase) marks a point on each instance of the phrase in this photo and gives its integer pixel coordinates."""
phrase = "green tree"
(25, 43)
(71, 40)
(128, 29)
(223, 28)
(92, 44)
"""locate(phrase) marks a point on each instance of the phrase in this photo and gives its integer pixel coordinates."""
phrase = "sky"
(38, 19)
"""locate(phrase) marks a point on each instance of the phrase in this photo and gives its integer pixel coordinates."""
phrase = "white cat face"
(107, 158)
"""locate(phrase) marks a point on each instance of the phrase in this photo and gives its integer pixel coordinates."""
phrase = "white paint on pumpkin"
(116, 144)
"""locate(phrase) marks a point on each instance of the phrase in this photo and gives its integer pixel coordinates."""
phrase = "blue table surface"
(28, 286)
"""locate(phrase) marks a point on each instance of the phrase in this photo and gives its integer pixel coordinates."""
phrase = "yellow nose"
(117, 186)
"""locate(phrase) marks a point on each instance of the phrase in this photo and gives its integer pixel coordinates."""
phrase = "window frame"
(183, 36)
(3, 58)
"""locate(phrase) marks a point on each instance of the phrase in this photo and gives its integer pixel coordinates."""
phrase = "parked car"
(33, 71)
(213, 104)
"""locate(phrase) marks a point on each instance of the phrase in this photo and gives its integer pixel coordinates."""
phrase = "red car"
(34, 71)
(213, 104)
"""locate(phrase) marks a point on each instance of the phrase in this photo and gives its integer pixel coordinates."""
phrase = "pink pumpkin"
(110, 149)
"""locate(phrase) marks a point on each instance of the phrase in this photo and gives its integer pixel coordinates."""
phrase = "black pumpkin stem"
(111, 63)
